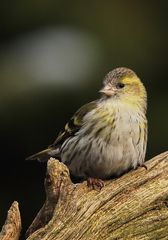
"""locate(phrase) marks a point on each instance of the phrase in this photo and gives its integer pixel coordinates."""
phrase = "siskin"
(106, 137)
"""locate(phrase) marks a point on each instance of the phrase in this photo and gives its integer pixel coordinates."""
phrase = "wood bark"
(133, 206)
(12, 227)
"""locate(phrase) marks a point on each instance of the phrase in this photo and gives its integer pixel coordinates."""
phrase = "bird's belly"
(118, 158)
(99, 159)
(114, 159)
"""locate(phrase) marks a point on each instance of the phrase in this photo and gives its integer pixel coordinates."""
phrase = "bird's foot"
(95, 182)
(144, 166)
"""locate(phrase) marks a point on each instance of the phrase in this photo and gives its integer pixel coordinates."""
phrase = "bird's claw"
(94, 182)
(144, 166)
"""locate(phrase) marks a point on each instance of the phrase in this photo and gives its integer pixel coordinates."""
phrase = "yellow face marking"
(134, 87)
(131, 80)
(133, 93)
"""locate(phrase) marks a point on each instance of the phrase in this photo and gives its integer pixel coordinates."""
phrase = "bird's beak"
(108, 91)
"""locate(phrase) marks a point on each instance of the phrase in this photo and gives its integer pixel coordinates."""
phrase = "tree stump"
(133, 206)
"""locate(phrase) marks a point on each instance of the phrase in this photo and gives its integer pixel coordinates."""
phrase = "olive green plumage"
(108, 136)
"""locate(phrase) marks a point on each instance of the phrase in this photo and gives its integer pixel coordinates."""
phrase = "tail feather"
(44, 155)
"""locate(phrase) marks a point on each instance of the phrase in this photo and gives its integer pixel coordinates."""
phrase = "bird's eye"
(120, 85)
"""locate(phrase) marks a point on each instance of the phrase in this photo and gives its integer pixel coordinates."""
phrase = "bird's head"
(124, 85)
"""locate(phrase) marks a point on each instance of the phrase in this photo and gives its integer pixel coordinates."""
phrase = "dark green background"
(108, 34)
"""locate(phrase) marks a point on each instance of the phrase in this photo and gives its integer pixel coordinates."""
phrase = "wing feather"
(74, 124)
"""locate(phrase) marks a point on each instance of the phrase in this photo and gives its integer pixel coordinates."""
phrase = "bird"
(107, 137)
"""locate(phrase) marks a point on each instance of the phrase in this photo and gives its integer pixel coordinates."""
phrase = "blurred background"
(53, 57)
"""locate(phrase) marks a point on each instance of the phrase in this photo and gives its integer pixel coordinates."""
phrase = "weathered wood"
(134, 206)
(12, 227)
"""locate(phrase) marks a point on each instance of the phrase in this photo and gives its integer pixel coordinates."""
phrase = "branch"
(134, 206)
